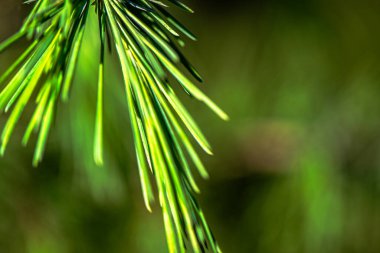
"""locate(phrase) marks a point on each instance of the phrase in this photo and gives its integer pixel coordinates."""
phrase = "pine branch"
(147, 40)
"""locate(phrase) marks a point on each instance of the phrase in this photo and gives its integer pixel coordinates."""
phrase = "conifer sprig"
(146, 39)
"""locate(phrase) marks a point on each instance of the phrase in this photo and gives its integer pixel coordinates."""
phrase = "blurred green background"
(297, 169)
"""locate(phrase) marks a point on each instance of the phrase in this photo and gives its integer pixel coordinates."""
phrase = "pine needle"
(147, 40)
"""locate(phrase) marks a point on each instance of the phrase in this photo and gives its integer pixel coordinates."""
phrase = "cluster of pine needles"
(146, 38)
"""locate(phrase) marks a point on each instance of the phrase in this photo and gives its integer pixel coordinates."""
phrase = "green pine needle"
(146, 38)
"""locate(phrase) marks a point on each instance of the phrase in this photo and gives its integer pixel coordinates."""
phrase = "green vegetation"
(146, 39)
(296, 170)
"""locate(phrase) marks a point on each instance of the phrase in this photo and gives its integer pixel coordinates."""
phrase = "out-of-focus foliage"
(297, 169)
